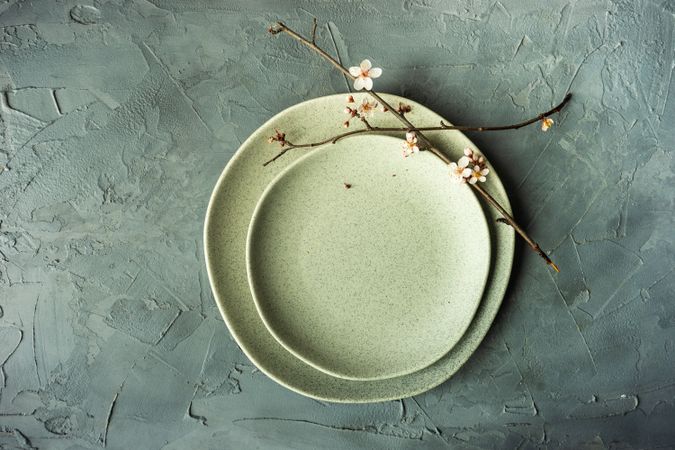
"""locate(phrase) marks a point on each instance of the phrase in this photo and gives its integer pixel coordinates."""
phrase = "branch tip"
(314, 30)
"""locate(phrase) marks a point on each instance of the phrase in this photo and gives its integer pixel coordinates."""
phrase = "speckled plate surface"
(373, 281)
(231, 207)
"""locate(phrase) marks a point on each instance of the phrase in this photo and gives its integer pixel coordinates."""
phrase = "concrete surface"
(118, 116)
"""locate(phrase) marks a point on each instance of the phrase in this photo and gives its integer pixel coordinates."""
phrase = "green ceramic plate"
(373, 281)
(229, 213)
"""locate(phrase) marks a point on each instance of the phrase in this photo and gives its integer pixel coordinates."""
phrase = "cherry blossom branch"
(443, 127)
(280, 27)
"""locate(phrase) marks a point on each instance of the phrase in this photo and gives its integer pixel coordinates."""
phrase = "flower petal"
(473, 180)
(482, 179)
(409, 136)
(374, 72)
(367, 83)
(485, 171)
(416, 149)
(546, 124)
(466, 173)
(365, 65)
(453, 166)
(355, 71)
(463, 161)
(468, 151)
(358, 83)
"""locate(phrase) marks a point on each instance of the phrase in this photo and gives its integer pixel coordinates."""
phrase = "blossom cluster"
(469, 168)
(363, 110)
(279, 137)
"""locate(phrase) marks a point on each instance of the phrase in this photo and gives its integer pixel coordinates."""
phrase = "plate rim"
(507, 263)
(483, 281)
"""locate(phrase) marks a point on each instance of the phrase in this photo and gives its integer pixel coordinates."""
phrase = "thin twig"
(507, 219)
(281, 27)
(314, 31)
(442, 127)
(331, 140)
(366, 123)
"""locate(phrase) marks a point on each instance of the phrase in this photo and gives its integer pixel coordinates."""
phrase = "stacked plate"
(348, 273)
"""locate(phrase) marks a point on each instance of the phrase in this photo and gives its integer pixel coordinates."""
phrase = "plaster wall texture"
(116, 118)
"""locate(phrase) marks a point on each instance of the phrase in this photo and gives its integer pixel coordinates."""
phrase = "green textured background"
(116, 118)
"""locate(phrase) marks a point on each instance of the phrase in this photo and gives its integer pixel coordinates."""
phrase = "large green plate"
(227, 220)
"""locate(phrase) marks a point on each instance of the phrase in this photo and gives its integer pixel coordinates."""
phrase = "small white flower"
(546, 124)
(478, 174)
(459, 170)
(410, 144)
(364, 74)
(367, 108)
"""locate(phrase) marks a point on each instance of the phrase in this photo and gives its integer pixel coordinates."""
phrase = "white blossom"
(364, 73)
(410, 144)
(459, 170)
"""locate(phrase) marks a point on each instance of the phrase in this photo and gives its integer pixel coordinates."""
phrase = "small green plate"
(365, 264)
(228, 217)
